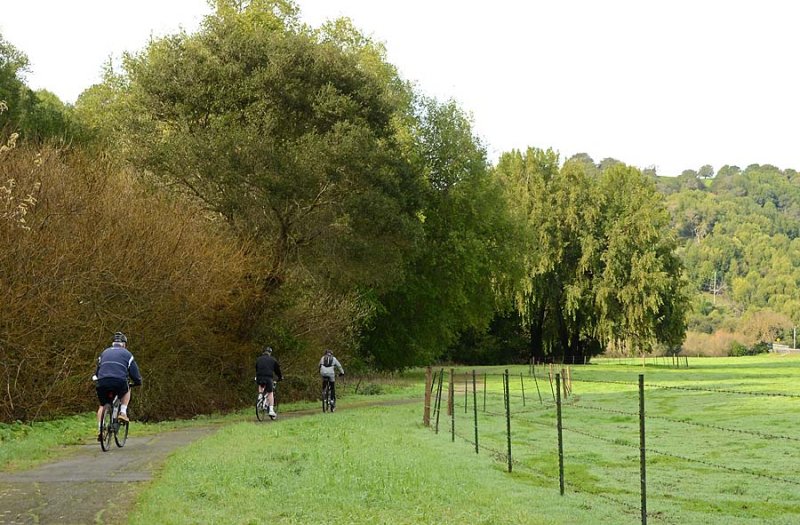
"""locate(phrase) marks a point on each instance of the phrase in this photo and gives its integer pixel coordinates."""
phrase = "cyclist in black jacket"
(267, 372)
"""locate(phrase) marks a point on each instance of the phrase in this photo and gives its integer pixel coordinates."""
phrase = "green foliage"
(294, 137)
(601, 263)
(465, 260)
(36, 116)
(739, 241)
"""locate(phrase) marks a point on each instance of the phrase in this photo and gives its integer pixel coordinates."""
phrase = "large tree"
(465, 261)
(288, 133)
(600, 261)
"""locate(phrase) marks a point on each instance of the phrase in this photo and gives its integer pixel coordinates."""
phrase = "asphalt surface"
(90, 486)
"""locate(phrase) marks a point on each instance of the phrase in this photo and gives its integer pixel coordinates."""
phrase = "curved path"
(92, 486)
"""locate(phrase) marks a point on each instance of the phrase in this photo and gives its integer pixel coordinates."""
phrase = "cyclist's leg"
(99, 420)
(333, 391)
(125, 400)
(269, 387)
(104, 395)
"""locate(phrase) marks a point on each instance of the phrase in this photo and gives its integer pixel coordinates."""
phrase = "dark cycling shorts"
(108, 387)
(267, 383)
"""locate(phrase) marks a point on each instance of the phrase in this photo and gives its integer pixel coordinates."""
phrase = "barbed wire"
(722, 391)
(724, 467)
(689, 388)
(503, 456)
(756, 433)
(749, 472)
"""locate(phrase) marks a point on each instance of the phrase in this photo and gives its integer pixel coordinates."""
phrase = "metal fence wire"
(541, 423)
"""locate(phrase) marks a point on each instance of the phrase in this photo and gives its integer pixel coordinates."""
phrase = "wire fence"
(594, 436)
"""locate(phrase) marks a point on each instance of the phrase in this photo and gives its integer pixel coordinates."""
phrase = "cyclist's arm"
(278, 373)
(338, 365)
(133, 371)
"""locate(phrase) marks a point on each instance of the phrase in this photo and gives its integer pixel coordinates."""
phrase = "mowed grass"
(718, 450)
(26, 445)
(358, 466)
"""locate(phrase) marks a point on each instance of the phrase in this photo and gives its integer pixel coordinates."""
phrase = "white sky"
(674, 83)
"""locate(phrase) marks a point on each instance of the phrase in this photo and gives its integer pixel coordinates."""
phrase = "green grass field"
(723, 447)
(714, 456)
(722, 437)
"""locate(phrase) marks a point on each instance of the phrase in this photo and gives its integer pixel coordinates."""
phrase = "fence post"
(426, 409)
(560, 436)
(450, 392)
(450, 406)
(522, 383)
(508, 415)
(466, 392)
(484, 391)
(536, 382)
(439, 399)
(475, 409)
(642, 463)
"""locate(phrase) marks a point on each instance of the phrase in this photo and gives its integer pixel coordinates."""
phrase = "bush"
(738, 349)
(371, 389)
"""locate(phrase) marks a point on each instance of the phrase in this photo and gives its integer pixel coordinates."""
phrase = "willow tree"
(599, 256)
(290, 134)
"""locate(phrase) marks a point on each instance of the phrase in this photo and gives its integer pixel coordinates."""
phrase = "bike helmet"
(119, 337)
(328, 351)
(268, 350)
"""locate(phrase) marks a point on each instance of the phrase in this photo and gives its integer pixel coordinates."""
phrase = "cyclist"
(114, 366)
(267, 372)
(327, 366)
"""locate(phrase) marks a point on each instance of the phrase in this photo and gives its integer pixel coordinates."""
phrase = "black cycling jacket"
(267, 368)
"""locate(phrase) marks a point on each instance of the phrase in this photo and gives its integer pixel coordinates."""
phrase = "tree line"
(261, 181)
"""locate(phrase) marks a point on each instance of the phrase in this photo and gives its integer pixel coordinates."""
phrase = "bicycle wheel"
(106, 427)
(121, 434)
(261, 410)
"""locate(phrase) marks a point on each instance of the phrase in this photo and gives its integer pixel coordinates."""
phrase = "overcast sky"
(673, 84)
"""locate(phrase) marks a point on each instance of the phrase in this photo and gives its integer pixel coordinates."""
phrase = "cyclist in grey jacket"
(114, 366)
(327, 369)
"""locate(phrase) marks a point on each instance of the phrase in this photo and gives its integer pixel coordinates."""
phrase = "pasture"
(721, 448)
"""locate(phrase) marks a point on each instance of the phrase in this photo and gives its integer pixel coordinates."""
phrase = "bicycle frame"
(328, 404)
(110, 425)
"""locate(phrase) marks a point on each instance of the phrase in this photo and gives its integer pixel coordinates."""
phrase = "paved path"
(92, 486)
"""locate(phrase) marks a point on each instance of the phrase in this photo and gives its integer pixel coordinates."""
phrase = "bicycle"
(111, 425)
(262, 408)
(328, 403)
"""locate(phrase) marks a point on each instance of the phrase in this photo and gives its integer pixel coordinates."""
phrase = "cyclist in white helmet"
(327, 369)
(114, 366)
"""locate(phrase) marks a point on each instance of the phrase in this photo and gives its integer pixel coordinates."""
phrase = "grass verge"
(358, 466)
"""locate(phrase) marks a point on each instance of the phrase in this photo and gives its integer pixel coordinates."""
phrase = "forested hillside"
(738, 232)
(262, 182)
